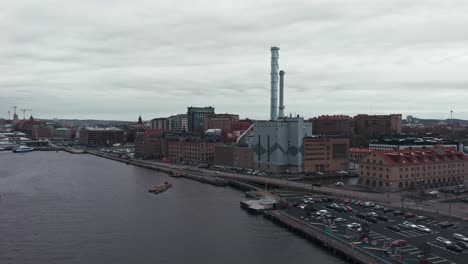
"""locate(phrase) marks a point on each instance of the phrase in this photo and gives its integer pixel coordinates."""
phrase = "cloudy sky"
(108, 59)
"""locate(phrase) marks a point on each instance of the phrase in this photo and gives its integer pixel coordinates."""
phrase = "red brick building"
(101, 136)
(234, 156)
(377, 125)
(195, 152)
(42, 132)
(149, 144)
(335, 125)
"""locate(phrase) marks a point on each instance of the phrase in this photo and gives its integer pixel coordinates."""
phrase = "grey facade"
(178, 122)
(196, 118)
(278, 145)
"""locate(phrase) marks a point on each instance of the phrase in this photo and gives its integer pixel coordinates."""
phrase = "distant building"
(234, 156)
(193, 152)
(149, 144)
(334, 125)
(410, 143)
(63, 133)
(357, 154)
(161, 123)
(178, 122)
(196, 118)
(377, 125)
(42, 132)
(101, 136)
(326, 154)
(402, 169)
(223, 122)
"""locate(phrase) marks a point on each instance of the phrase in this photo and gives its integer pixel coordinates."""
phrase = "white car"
(460, 237)
(423, 228)
(444, 241)
(373, 214)
(353, 225)
(339, 184)
(322, 212)
(406, 223)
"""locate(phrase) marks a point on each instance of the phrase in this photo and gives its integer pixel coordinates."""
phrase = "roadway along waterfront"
(65, 208)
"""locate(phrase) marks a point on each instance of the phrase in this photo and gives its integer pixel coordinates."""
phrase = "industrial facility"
(278, 143)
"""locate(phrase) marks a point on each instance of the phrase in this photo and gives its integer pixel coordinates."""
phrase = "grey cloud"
(117, 59)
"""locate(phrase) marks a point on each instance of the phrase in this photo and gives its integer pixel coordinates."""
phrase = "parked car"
(361, 215)
(420, 218)
(339, 184)
(423, 228)
(316, 185)
(462, 244)
(443, 241)
(382, 218)
(372, 219)
(398, 213)
(413, 226)
(340, 220)
(349, 208)
(446, 224)
(378, 207)
(322, 212)
(460, 237)
(394, 228)
(368, 204)
(403, 226)
(409, 215)
(373, 214)
(399, 243)
(387, 210)
(454, 247)
(353, 225)
(346, 201)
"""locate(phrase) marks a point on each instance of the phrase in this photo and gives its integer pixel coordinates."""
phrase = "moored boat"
(22, 149)
(160, 188)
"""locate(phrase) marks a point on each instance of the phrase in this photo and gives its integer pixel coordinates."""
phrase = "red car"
(347, 201)
(349, 208)
(399, 243)
(409, 215)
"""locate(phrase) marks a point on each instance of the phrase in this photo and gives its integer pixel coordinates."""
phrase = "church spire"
(139, 120)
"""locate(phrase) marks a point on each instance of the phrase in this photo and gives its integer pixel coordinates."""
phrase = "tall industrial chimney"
(274, 83)
(281, 99)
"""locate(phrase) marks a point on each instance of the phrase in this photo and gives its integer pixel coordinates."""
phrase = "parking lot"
(372, 233)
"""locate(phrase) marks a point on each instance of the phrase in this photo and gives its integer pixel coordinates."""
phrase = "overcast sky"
(108, 59)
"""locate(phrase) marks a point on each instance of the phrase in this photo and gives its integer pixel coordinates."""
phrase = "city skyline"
(121, 60)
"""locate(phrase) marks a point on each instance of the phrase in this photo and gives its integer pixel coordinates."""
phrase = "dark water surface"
(64, 208)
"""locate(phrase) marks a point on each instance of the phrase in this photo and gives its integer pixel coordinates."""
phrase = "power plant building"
(277, 144)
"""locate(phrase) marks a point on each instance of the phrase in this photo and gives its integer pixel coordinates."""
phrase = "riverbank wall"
(339, 247)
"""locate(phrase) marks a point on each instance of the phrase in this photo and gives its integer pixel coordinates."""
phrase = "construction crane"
(24, 112)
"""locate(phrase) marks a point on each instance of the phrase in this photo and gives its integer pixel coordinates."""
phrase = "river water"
(64, 208)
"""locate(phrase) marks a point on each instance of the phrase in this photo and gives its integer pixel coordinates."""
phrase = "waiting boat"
(22, 149)
(160, 188)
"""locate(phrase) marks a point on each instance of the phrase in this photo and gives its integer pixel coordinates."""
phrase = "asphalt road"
(380, 236)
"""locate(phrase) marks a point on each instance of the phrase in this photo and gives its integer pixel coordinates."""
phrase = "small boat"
(160, 188)
(22, 149)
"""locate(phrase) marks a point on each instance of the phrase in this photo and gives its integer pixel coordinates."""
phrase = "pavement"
(380, 237)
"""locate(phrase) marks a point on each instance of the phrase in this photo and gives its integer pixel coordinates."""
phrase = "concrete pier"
(317, 234)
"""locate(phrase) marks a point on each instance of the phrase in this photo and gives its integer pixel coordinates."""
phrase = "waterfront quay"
(371, 242)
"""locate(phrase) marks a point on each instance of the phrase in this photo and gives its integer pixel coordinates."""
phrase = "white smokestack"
(274, 83)
(281, 99)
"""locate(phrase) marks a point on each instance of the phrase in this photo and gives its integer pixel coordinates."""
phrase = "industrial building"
(412, 143)
(277, 144)
(333, 125)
